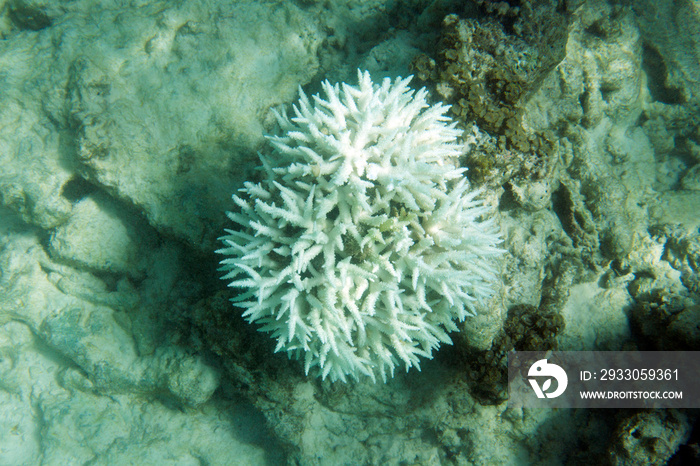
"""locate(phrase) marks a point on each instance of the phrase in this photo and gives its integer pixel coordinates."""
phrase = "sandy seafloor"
(125, 126)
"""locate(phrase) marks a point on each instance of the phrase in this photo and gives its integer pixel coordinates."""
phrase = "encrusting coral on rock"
(364, 241)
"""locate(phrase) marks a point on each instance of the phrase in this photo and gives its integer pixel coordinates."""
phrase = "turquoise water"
(125, 127)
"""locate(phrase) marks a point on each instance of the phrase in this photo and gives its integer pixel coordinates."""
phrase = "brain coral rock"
(363, 242)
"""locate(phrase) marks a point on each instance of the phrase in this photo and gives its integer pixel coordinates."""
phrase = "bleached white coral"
(364, 242)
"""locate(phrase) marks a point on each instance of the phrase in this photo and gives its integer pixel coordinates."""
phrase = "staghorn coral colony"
(364, 242)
